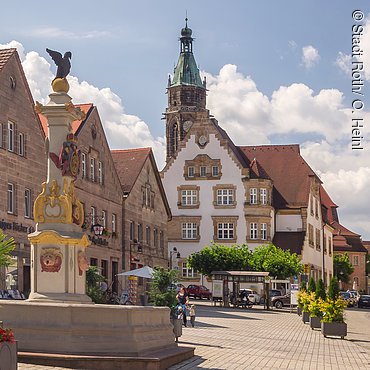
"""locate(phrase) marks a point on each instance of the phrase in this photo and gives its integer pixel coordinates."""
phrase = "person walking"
(183, 300)
(192, 315)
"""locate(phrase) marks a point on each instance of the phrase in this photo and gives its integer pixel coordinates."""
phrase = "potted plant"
(314, 309)
(332, 322)
(299, 300)
(8, 349)
(304, 298)
(163, 293)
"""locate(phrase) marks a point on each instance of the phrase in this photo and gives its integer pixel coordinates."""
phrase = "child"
(192, 315)
(180, 314)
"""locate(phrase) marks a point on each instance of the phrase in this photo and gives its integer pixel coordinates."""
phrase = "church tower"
(186, 95)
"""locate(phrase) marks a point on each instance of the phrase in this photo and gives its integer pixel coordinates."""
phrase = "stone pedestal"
(67, 328)
(58, 261)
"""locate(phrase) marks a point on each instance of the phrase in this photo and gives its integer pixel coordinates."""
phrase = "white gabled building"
(228, 194)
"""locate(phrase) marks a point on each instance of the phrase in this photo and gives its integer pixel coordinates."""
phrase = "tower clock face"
(186, 125)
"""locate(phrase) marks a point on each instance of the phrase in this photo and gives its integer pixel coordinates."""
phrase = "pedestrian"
(192, 315)
(183, 300)
(180, 314)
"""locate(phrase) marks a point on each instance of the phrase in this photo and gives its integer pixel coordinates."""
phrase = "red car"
(198, 291)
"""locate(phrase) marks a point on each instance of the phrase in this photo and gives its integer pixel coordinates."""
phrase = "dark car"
(279, 301)
(275, 293)
(347, 297)
(198, 291)
(364, 301)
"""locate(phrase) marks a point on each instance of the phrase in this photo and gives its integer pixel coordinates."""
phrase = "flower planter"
(305, 316)
(315, 322)
(335, 329)
(8, 355)
(177, 328)
(299, 311)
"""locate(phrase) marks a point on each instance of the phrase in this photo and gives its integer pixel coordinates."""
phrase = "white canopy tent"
(144, 272)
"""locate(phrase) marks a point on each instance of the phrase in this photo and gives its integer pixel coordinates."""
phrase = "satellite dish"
(103, 286)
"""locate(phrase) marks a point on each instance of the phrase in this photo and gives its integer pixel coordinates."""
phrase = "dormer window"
(191, 172)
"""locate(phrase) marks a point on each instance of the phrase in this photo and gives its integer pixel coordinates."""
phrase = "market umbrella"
(144, 272)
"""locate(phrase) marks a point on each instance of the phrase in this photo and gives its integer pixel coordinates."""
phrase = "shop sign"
(16, 227)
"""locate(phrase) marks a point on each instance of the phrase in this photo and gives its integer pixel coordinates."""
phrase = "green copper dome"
(186, 71)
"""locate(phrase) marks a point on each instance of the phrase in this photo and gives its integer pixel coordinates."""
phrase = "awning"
(144, 272)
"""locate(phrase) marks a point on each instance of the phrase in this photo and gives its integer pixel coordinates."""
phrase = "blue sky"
(252, 54)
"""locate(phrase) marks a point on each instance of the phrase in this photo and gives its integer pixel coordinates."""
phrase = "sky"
(277, 73)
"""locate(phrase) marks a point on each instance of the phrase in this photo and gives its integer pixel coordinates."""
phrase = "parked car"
(364, 301)
(346, 296)
(198, 291)
(253, 296)
(275, 292)
(279, 301)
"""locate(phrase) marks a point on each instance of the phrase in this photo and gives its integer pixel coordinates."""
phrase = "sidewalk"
(227, 338)
(243, 339)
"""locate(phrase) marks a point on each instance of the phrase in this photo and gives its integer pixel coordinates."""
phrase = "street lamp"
(178, 255)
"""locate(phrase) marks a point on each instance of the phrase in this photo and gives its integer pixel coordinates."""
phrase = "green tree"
(333, 290)
(163, 288)
(217, 257)
(342, 267)
(7, 245)
(320, 289)
(311, 285)
(303, 286)
(279, 263)
(93, 280)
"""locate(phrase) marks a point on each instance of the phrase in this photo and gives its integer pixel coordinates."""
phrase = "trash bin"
(143, 299)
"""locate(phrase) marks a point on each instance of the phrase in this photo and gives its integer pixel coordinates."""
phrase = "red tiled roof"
(129, 163)
(257, 170)
(341, 230)
(289, 240)
(5, 55)
(75, 124)
(288, 170)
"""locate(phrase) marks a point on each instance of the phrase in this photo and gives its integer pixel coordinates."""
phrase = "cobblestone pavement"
(227, 338)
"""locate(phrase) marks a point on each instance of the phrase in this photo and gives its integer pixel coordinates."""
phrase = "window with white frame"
(215, 171)
(225, 230)
(253, 230)
(203, 171)
(189, 230)
(11, 130)
(92, 169)
(100, 173)
(263, 231)
(139, 232)
(83, 164)
(114, 223)
(187, 272)
(253, 195)
(189, 197)
(27, 203)
(355, 260)
(225, 196)
(191, 172)
(11, 198)
(104, 219)
(21, 146)
(93, 215)
(263, 196)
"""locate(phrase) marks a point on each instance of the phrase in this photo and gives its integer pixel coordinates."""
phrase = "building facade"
(22, 166)
(223, 193)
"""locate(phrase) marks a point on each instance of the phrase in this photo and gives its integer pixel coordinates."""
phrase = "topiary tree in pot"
(311, 285)
(332, 323)
(320, 290)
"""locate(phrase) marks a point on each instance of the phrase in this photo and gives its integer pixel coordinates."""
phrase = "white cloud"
(310, 56)
(55, 33)
(344, 62)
